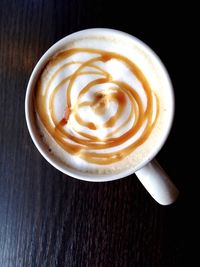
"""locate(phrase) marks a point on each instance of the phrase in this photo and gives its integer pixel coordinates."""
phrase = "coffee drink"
(100, 103)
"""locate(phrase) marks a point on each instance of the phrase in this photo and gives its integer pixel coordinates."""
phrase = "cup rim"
(37, 140)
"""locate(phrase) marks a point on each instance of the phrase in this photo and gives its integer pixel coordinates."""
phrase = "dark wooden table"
(50, 219)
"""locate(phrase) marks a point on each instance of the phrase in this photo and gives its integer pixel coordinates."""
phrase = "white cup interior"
(29, 108)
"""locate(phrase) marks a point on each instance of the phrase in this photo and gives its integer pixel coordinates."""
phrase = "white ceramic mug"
(149, 172)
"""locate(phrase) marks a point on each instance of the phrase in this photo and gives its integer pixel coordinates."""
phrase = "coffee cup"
(99, 106)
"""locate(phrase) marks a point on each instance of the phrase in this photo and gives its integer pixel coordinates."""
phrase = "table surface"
(50, 219)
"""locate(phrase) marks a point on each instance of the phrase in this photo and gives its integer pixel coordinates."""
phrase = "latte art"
(96, 105)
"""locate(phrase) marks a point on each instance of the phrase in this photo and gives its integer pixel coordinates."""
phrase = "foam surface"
(118, 71)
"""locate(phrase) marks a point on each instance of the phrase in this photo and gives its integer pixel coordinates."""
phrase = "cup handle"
(157, 183)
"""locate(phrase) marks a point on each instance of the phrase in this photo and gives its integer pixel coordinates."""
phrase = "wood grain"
(47, 218)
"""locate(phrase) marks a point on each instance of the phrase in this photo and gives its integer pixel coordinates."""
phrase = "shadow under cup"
(153, 70)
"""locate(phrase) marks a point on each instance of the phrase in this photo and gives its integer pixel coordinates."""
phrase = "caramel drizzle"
(82, 147)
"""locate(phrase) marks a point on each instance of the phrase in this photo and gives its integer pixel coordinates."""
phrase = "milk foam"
(118, 71)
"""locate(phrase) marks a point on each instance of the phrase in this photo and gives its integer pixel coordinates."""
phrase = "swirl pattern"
(88, 111)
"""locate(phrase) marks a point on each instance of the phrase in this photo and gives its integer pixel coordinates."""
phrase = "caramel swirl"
(124, 129)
